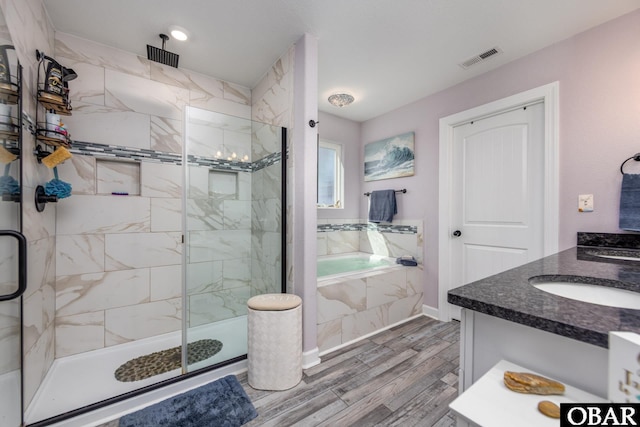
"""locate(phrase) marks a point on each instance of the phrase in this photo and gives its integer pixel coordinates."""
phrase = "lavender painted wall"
(599, 76)
(347, 133)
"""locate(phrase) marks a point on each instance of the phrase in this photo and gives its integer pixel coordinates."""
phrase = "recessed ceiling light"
(178, 33)
(341, 99)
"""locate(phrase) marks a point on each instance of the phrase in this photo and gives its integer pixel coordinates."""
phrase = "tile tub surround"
(510, 296)
(357, 235)
(352, 307)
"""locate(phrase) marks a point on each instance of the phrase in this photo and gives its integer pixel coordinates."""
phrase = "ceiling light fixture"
(178, 33)
(341, 99)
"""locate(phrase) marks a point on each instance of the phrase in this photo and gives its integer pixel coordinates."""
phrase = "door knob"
(456, 233)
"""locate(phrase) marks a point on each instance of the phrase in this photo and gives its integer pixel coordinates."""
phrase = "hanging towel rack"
(635, 157)
(404, 190)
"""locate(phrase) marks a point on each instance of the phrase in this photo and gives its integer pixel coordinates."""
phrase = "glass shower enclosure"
(233, 198)
(233, 231)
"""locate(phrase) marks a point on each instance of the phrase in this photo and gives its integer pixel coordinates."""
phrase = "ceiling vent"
(481, 57)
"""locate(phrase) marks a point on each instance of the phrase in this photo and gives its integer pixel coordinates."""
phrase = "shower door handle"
(22, 264)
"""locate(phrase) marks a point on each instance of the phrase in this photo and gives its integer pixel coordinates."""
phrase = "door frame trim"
(549, 94)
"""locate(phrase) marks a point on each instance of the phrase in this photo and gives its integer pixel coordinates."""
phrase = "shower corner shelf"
(57, 103)
(9, 93)
(50, 138)
(54, 103)
(9, 135)
(42, 135)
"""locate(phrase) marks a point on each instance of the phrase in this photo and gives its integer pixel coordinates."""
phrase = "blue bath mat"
(222, 403)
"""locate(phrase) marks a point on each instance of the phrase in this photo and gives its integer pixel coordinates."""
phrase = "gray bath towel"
(382, 206)
(630, 202)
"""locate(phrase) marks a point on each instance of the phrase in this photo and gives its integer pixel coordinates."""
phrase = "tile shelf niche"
(117, 177)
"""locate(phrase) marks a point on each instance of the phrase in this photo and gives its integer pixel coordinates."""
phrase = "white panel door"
(497, 195)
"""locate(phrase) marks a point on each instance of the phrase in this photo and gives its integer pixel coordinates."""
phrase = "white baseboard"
(430, 312)
(310, 358)
(338, 347)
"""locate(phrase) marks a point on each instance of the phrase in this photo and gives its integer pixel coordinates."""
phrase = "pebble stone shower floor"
(163, 361)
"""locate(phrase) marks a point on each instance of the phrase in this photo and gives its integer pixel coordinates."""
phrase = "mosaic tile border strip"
(219, 164)
(382, 228)
(145, 155)
(326, 228)
(267, 161)
(388, 228)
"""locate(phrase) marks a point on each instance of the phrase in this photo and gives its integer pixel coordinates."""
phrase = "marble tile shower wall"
(218, 221)
(118, 258)
(266, 213)
(356, 235)
(272, 103)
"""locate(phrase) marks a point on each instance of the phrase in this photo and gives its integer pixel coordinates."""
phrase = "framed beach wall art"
(389, 158)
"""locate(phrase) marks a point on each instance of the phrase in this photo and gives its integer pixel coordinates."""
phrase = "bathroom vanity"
(506, 317)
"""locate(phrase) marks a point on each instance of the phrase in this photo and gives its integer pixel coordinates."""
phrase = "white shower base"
(76, 381)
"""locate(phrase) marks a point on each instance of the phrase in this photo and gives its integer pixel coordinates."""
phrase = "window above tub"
(330, 176)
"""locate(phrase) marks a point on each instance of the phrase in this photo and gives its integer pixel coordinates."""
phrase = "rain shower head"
(162, 56)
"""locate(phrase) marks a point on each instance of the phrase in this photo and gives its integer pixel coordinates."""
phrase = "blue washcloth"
(8, 184)
(630, 202)
(56, 187)
(382, 206)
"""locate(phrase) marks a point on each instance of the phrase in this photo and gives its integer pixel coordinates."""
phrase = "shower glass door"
(233, 230)
(13, 250)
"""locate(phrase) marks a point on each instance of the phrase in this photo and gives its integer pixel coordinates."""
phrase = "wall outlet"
(585, 203)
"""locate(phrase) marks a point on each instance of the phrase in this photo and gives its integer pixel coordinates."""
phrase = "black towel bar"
(635, 157)
(404, 190)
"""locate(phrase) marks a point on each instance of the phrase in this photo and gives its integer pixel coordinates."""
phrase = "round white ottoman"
(274, 341)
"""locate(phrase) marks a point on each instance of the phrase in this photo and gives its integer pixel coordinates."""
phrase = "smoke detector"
(481, 57)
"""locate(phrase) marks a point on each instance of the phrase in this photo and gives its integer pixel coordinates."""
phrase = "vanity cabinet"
(485, 340)
(490, 403)
(506, 317)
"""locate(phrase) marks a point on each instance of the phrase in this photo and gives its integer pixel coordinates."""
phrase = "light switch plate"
(585, 203)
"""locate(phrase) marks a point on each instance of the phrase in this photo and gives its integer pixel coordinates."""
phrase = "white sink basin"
(594, 294)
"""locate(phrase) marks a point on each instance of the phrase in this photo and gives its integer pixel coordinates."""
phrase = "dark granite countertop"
(510, 296)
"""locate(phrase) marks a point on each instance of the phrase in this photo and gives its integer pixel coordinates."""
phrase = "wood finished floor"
(405, 376)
